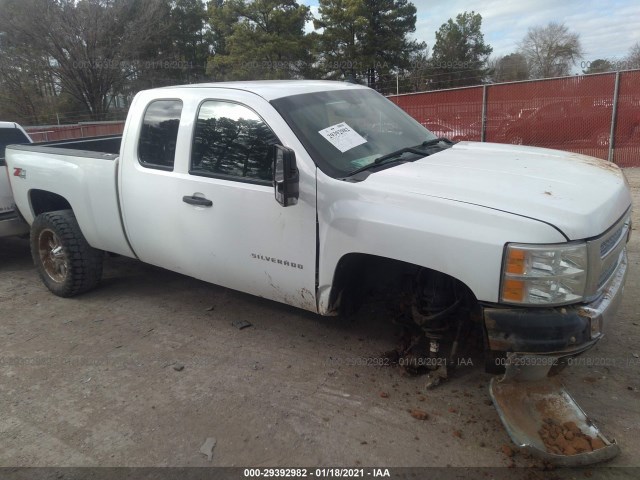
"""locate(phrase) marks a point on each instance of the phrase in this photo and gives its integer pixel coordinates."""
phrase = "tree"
(88, 47)
(460, 53)
(417, 77)
(633, 58)
(551, 51)
(25, 89)
(599, 66)
(510, 68)
(223, 17)
(365, 39)
(190, 38)
(266, 40)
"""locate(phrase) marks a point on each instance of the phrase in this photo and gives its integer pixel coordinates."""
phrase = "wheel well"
(358, 274)
(43, 201)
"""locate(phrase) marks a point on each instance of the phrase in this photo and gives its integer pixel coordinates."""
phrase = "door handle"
(199, 201)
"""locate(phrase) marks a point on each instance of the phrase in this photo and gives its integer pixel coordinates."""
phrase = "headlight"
(544, 274)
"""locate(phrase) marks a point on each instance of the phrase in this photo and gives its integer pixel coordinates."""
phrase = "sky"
(607, 28)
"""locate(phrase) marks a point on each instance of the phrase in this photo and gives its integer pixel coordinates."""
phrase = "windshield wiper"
(392, 157)
(435, 141)
(398, 153)
(396, 156)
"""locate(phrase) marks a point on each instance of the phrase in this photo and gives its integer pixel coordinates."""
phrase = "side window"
(157, 146)
(231, 140)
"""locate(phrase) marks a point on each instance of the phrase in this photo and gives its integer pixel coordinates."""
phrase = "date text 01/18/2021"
(316, 472)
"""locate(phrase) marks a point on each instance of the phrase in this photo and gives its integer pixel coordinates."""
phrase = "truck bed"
(85, 175)
(81, 147)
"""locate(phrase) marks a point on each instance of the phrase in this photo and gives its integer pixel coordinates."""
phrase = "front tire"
(66, 263)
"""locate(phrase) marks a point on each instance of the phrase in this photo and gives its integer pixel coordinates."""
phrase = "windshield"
(9, 136)
(344, 130)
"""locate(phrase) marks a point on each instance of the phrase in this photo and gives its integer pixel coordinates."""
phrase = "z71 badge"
(20, 172)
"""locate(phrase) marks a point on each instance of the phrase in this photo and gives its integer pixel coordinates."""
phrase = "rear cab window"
(159, 134)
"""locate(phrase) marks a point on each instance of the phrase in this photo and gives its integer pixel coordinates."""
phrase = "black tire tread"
(85, 262)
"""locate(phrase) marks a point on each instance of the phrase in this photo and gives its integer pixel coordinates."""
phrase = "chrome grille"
(609, 243)
(605, 254)
(606, 274)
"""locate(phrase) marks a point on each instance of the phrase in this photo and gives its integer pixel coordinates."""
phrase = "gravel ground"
(141, 371)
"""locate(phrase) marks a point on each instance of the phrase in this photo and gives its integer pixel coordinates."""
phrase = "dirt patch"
(419, 414)
(567, 438)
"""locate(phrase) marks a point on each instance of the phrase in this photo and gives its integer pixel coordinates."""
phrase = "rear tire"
(66, 263)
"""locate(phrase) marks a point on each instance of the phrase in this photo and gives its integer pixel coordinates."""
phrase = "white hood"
(580, 195)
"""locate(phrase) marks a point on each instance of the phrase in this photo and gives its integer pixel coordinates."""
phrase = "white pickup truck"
(10, 222)
(318, 193)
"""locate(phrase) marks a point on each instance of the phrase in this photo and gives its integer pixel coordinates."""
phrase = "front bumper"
(562, 330)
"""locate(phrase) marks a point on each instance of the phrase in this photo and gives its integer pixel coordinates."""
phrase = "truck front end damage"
(533, 344)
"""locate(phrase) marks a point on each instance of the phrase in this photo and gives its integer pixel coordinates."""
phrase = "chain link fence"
(597, 115)
(48, 133)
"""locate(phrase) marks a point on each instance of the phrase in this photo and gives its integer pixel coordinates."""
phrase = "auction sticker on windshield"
(342, 136)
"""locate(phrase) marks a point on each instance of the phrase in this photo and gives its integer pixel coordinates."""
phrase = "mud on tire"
(66, 263)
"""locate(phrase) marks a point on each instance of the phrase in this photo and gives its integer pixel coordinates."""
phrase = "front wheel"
(66, 263)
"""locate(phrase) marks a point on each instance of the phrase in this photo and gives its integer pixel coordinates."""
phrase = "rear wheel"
(66, 263)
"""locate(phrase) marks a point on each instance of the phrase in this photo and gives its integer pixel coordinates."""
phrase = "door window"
(232, 141)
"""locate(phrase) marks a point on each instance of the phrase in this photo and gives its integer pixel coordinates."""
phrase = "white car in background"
(10, 222)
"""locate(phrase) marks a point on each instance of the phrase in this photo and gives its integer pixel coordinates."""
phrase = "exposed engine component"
(433, 324)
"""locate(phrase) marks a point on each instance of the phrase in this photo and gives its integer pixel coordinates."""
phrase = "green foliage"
(599, 65)
(69, 59)
(460, 53)
(190, 38)
(365, 39)
(263, 39)
(417, 76)
(510, 68)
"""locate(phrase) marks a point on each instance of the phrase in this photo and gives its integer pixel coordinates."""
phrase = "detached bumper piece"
(535, 408)
(541, 417)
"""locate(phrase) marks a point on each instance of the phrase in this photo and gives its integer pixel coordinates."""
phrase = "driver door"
(213, 216)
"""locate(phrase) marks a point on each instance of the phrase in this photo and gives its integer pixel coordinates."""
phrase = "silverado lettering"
(286, 263)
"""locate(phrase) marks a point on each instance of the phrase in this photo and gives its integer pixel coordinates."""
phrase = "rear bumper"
(12, 224)
(562, 331)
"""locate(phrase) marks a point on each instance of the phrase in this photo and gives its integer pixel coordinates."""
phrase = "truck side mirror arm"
(285, 176)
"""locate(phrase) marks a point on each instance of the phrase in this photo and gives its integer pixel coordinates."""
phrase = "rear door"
(198, 198)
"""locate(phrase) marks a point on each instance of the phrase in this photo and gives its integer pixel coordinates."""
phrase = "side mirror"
(285, 176)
